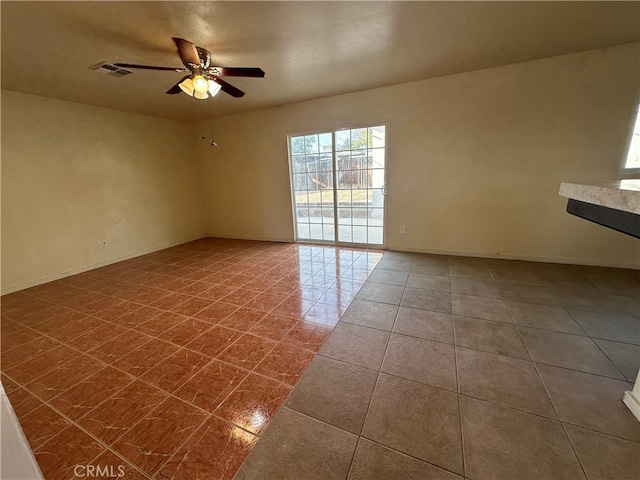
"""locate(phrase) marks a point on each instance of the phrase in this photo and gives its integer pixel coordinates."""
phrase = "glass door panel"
(338, 185)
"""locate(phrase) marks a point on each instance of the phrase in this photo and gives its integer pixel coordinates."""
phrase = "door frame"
(333, 131)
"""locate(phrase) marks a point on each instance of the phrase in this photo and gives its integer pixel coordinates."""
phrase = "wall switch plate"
(402, 229)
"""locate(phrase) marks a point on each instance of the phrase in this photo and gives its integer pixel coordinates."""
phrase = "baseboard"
(257, 239)
(69, 273)
(526, 258)
(633, 403)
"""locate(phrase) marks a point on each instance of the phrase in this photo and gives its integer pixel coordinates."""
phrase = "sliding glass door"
(337, 180)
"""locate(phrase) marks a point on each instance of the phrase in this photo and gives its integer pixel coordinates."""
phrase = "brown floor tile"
(15, 356)
(294, 306)
(357, 345)
(265, 301)
(191, 306)
(324, 314)
(58, 457)
(272, 326)
(65, 376)
(41, 424)
(112, 467)
(213, 341)
(590, 401)
(216, 312)
(604, 457)
(211, 385)
(285, 363)
(114, 417)
(184, 332)
(22, 401)
(90, 392)
(96, 337)
(153, 440)
(247, 352)
(254, 403)
(503, 380)
(145, 357)
(568, 351)
(493, 337)
(160, 323)
(338, 296)
(119, 346)
(306, 448)
(334, 392)
(173, 372)
(216, 450)
(503, 443)
(308, 335)
(42, 364)
(242, 319)
(426, 300)
(416, 419)
(421, 360)
(375, 462)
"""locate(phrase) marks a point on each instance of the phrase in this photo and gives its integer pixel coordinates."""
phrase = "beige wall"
(73, 175)
(475, 160)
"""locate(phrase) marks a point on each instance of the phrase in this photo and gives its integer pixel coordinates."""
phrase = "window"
(633, 155)
(337, 181)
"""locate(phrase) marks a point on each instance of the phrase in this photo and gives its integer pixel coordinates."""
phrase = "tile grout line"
(555, 410)
(458, 389)
(375, 386)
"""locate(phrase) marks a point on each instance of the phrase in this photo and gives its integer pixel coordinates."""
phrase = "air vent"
(110, 69)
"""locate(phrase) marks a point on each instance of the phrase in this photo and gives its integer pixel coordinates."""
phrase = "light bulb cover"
(201, 95)
(187, 86)
(200, 84)
(214, 88)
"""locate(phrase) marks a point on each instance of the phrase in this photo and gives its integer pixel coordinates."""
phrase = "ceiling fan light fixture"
(187, 86)
(201, 95)
(214, 88)
(200, 84)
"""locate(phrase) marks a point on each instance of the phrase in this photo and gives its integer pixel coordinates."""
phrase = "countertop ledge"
(621, 195)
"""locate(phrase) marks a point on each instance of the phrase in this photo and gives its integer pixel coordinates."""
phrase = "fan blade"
(227, 87)
(150, 67)
(188, 53)
(176, 88)
(239, 71)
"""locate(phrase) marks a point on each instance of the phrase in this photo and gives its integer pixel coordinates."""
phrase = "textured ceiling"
(307, 49)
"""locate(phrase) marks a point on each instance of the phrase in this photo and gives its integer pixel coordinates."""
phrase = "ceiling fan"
(204, 79)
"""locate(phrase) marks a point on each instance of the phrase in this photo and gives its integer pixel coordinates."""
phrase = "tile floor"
(451, 368)
(173, 365)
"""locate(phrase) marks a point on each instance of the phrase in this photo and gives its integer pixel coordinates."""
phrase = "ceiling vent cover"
(110, 69)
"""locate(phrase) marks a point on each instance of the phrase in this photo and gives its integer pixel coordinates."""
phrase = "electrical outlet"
(103, 243)
(402, 229)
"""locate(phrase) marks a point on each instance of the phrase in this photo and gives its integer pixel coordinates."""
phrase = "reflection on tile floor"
(343, 363)
(450, 367)
(171, 364)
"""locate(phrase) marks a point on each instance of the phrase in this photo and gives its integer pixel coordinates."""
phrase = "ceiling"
(307, 49)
